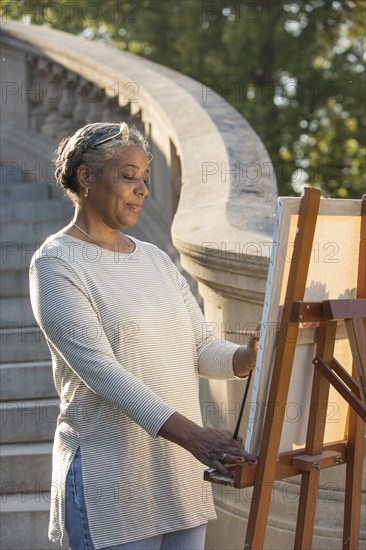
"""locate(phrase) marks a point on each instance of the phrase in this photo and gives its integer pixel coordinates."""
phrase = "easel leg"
(355, 449)
(315, 439)
(306, 511)
(353, 489)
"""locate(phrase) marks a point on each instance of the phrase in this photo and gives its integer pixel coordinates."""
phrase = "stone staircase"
(29, 405)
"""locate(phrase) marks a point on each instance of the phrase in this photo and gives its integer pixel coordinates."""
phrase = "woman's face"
(117, 194)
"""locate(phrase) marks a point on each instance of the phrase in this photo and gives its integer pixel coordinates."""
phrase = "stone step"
(30, 232)
(20, 343)
(24, 191)
(15, 283)
(25, 467)
(16, 256)
(10, 173)
(29, 380)
(35, 210)
(24, 523)
(16, 310)
(31, 420)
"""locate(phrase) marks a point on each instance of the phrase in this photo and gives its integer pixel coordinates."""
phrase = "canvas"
(332, 275)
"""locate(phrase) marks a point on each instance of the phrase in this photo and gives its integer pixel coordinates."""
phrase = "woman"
(128, 345)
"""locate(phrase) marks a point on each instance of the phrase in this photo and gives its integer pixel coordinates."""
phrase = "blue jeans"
(77, 526)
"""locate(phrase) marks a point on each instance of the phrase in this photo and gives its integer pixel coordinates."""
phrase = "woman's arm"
(217, 358)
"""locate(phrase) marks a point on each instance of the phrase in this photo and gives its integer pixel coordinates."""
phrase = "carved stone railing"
(212, 183)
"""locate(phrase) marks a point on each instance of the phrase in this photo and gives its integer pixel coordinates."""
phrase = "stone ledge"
(28, 380)
(24, 523)
(25, 467)
(22, 343)
(34, 210)
(32, 420)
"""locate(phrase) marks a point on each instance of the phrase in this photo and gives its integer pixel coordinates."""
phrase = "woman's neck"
(87, 227)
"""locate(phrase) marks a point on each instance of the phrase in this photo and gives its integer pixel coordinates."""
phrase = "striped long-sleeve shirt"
(128, 344)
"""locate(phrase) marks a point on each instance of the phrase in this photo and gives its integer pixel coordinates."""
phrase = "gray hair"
(82, 149)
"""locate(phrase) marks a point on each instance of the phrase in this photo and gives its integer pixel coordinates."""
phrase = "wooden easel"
(315, 456)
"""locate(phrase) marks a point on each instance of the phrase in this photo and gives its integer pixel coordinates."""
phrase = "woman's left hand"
(213, 447)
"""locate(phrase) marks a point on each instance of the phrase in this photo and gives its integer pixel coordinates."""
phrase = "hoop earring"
(86, 191)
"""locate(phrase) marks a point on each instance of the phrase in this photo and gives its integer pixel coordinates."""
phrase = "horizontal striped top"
(128, 344)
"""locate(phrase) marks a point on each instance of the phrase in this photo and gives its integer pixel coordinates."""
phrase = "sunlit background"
(295, 70)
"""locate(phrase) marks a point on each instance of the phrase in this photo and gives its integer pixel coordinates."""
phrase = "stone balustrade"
(213, 184)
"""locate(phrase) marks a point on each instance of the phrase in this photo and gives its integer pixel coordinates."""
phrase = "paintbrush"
(236, 431)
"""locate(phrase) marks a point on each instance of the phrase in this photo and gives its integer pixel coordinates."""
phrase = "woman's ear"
(84, 176)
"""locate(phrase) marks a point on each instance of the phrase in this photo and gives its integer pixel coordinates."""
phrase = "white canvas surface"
(332, 275)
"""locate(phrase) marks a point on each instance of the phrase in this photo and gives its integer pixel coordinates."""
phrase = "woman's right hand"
(213, 447)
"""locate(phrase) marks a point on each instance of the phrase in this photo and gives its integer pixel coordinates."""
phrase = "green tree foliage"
(295, 70)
